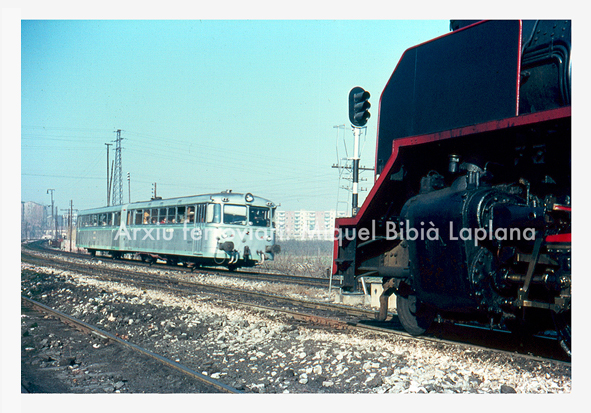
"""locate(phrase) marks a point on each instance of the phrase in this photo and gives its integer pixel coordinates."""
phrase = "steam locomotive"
(470, 214)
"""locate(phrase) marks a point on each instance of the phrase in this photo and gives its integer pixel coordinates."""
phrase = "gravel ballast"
(266, 352)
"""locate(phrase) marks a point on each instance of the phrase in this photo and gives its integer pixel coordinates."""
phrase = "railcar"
(469, 217)
(226, 229)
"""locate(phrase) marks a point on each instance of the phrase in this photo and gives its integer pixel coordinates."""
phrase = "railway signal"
(359, 106)
(358, 115)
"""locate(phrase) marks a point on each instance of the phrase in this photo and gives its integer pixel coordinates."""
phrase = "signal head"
(359, 106)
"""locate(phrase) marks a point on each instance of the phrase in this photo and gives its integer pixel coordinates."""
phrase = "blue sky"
(203, 105)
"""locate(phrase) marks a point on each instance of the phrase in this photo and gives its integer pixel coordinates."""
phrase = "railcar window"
(139, 214)
(191, 214)
(214, 213)
(258, 216)
(171, 215)
(181, 214)
(200, 213)
(94, 220)
(117, 219)
(235, 214)
(162, 217)
(154, 216)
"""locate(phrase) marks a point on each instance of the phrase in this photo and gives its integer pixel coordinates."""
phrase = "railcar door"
(183, 243)
(122, 238)
(115, 242)
(198, 217)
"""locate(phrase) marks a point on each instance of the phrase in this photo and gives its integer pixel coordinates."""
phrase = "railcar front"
(242, 231)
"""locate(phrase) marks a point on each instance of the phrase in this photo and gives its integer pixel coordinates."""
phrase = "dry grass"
(303, 258)
(311, 266)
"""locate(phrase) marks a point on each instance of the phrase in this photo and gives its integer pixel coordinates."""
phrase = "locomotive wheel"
(414, 317)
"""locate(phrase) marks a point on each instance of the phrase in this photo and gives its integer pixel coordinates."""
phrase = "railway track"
(280, 354)
(247, 274)
(322, 313)
(206, 384)
(176, 285)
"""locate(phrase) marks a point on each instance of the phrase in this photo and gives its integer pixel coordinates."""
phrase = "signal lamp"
(359, 106)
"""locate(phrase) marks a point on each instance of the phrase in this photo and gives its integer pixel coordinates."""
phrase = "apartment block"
(306, 225)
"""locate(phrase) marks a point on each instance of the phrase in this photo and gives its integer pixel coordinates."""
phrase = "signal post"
(358, 115)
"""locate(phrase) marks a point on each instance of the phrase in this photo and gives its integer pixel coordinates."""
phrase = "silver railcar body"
(233, 230)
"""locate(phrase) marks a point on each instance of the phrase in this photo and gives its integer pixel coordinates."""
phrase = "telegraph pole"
(354, 170)
(70, 221)
(56, 227)
(108, 186)
(53, 215)
(70, 233)
(111, 180)
(129, 186)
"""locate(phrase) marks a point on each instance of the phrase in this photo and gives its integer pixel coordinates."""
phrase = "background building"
(306, 225)
(33, 220)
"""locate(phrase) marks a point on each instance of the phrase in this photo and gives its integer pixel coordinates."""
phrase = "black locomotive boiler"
(470, 213)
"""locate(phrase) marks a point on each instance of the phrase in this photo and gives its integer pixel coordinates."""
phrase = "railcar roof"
(226, 197)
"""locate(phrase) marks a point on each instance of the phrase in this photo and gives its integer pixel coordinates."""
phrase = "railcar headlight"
(249, 197)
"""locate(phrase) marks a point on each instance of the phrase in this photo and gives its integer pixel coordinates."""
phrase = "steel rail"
(81, 325)
(121, 274)
(246, 273)
(335, 323)
(156, 281)
(342, 325)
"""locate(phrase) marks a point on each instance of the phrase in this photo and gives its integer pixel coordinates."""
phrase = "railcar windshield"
(259, 216)
(235, 214)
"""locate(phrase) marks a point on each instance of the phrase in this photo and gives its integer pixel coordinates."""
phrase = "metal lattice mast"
(117, 198)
